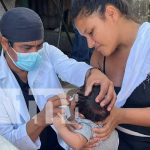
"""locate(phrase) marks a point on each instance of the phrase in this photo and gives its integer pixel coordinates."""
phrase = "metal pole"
(63, 22)
(3, 4)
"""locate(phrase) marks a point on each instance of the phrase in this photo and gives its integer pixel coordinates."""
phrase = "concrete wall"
(141, 9)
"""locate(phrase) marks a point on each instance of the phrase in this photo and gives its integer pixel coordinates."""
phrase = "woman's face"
(101, 33)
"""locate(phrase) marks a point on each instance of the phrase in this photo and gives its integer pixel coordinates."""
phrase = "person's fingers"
(110, 99)
(60, 96)
(54, 98)
(57, 101)
(51, 105)
(50, 112)
(103, 132)
(92, 143)
(110, 106)
(103, 92)
(57, 111)
(61, 116)
(103, 136)
(60, 102)
(98, 130)
(88, 87)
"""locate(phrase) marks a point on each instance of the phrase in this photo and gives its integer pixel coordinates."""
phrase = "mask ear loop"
(9, 54)
(10, 45)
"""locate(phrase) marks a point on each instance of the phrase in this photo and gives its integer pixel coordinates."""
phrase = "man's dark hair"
(89, 107)
(87, 7)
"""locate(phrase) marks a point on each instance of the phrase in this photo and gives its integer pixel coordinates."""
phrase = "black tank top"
(139, 98)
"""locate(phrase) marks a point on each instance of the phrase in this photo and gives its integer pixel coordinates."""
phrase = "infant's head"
(89, 107)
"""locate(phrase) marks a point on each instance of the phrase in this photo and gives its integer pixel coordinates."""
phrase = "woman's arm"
(134, 116)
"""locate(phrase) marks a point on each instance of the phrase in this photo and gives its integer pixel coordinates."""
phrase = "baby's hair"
(89, 107)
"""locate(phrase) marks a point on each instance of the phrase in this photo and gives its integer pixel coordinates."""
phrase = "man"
(29, 63)
(5, 145)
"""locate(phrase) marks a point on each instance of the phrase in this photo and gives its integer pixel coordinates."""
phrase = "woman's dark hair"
(87, 7)
(89, 107)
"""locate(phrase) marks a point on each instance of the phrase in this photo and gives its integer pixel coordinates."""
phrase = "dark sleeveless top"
(139, 98)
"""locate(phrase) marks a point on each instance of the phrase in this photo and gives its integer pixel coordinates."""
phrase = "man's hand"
(60, 121)
(107, 94)
(52, 108)
(37, 124)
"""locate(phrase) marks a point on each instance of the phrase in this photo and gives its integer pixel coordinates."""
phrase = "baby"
(93, 115)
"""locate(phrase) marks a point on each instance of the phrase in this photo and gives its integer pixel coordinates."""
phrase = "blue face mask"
(27, 61)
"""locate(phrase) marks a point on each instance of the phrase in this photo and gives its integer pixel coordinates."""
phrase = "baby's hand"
(93, 142)
(73, 125)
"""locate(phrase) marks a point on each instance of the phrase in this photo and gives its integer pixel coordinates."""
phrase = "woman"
(122, 52)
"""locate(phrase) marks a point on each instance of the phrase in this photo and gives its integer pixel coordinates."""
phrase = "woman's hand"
(109, 124)
(101, 134)
(107, 94)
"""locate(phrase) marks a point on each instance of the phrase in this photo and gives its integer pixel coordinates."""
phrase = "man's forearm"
(35, 126)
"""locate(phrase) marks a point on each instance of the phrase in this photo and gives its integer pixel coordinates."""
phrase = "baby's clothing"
(110, 144)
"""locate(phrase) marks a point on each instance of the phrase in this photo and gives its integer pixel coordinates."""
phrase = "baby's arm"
(74, 140)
